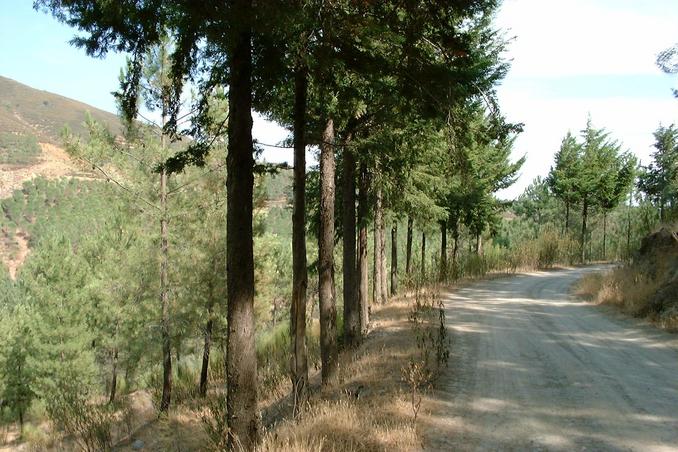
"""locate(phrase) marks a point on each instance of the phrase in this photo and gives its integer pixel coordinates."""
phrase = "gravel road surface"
(534, 368)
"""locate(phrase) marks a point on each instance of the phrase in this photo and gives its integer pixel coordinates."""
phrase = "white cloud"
(547, 120)
(268, 132)
(584, 37)
(579, 38)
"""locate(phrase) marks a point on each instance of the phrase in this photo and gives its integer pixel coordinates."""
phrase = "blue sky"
(570, 58)
(35, 51)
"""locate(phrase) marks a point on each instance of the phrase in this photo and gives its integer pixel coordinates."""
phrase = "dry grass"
(626, 288)
(180, 430)
(365, 408)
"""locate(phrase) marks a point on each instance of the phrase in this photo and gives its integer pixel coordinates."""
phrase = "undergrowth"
(427, 317)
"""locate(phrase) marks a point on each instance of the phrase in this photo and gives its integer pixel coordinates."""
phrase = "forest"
(182, 264)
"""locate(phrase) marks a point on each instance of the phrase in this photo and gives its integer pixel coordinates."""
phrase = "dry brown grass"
(365, 408)
(624, 287)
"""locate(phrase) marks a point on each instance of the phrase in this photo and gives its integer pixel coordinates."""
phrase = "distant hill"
(31, 122)
(28, 111)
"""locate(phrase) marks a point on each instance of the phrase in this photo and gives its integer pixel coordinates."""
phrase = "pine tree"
(659, 179)
(562, 179)
(17, 375)
(603, 172)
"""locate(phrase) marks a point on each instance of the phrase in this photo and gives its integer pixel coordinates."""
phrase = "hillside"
(31, 122)
(29, 111)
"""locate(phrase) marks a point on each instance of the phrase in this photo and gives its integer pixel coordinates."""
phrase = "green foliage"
(562, 179)
(595, 174)
(88, 424)
(16, 374)
(56, 283)
(667, 61)
(659, 179)
(42, 208)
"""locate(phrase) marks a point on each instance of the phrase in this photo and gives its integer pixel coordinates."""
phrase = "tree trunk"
(299, 371)
(166, 396)
(604, 234)
(382, 257)
(455, 250)
(628, 230)
(408, 250)
(423, 254)
(394, 259)
(207, 340)
(326, 300)
(376, 283)
(351, 305)
(204, 370)
(241, 356)
(363, 286)
(584, 214)
(661, 210)
(567, 218)
(114, 377)
(443, 250)
(479, 244)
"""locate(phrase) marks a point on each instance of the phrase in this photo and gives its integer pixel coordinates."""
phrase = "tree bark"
(363, 283)
(394, 259)
(351, 305)
(455, 250)
(299, 370)
(207, 339)
(114, 377)
(443, 250)
(584, 214)
(423, 254)
(408, 249)
(166, 396)
(241, 357)
(326, 300)
(382, 256)
(479, 244)
(204, 370)
(376, 280)
(567, 217)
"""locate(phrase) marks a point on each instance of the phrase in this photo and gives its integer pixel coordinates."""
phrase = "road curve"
(533, 368)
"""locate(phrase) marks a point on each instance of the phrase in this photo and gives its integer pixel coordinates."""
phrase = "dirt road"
(533, 368)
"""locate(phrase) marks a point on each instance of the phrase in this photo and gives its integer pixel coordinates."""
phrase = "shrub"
(87, 423)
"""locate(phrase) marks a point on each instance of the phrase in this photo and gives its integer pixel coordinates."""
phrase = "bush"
(37, 439)
(87, 423)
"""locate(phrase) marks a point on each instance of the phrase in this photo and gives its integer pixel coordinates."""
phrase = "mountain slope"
(25, 110)
(31, 122)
